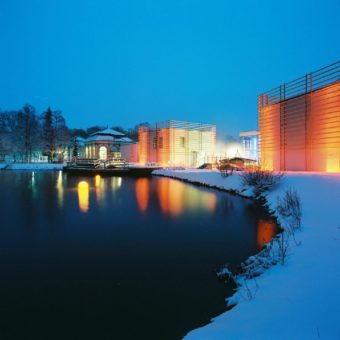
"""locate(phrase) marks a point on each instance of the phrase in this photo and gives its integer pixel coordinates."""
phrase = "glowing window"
(103, 153)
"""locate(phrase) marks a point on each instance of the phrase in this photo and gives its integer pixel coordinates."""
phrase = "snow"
(300, 299)
(34, 166)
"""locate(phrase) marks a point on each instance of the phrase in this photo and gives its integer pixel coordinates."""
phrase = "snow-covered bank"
(300, 299)
(32, 166)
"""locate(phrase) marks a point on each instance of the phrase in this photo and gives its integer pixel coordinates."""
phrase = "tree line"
(25, 134)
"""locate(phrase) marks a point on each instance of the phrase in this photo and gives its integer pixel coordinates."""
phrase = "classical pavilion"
(105, 144)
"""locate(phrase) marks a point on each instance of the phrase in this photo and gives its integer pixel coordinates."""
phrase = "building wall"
(176, 145)
(269, 126)
(92, 149)
(324, 142)
(146, 145)
(302, 133)
(250, 142)
(130, 152)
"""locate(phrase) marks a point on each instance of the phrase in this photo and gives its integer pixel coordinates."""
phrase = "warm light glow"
(186, 144)
(98, 183)
(174, 198)
(333, 165)
(302, 133)
(83, 196)
(170, 196)
(265, 232)
(103, 153)
(97, 179)
(143, 193)
(199, 200)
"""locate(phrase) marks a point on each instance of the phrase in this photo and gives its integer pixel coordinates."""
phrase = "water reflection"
(116, 183)
(60, 189)
(168, 255)
(142, 193)
(200, 200)
(266, 230)
(100, 189)
(170, 196)
(83, 196)
(33, 185)
(97, 180)
(175, 197)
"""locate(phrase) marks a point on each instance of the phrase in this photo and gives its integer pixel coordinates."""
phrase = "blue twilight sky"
(122, 62)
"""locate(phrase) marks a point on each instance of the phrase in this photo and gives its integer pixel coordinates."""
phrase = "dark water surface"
(117, 258)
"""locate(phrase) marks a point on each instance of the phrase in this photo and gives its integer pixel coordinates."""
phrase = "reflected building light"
(116, 183)
(171, 196)
(83, 196)
(143, 193)
(198, 200)
(60, 189)
(97, 180)
(210, 201)
(100, 190)
(33, 185)
(266, 230)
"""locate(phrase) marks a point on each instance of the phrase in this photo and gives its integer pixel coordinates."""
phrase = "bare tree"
(62, 134)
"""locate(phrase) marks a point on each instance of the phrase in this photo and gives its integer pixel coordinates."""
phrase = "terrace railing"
(302, 85)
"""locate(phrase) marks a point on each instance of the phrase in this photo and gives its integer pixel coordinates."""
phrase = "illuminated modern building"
(299, 123)
(105, 144)
(177, 143)
(250, 142)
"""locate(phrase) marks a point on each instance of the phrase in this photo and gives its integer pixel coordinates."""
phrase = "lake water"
(117, 258)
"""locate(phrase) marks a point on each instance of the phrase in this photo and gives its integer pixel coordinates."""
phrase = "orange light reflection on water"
(175, 197)
(143, 193)
(170, 196)
(83, 196)
(266, 230)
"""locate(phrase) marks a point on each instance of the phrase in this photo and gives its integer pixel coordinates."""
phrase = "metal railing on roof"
(310, 82)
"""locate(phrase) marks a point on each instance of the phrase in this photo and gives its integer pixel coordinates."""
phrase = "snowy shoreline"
(31, 166)
(299, 299)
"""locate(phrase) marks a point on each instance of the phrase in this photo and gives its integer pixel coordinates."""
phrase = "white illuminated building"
(250, 143)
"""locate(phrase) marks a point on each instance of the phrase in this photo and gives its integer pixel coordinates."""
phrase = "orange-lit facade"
(299, 123)
(177, 143)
